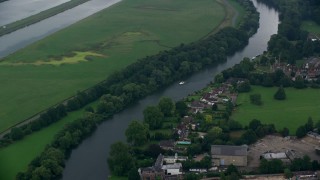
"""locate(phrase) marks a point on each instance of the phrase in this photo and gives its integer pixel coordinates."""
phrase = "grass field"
(31, 87)
(311, 27)
(290, 113)
(17, 156)
(122, 34)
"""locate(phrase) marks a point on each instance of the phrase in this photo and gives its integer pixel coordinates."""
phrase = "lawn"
(290, 113)
(311, 27)
(18, 155)
(120, 35)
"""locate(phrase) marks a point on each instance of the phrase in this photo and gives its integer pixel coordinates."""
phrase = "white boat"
(181, 83)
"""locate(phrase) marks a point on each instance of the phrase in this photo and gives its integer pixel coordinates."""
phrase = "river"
(16, 40)
(14, 10)
(89, 159)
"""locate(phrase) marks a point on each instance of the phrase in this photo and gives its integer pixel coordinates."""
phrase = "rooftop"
(229, 150)
(279, 155)
(172, 166)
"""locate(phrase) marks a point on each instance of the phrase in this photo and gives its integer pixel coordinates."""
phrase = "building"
(174, 159)
(159, 170)
(153, 172)
(225, 155)
(167, 144)
(172, 169)
(276, 155)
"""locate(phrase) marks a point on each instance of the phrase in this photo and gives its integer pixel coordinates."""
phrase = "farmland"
(291, 113)
(120, 35)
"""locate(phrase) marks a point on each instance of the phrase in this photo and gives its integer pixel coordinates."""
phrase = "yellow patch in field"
(77, 58)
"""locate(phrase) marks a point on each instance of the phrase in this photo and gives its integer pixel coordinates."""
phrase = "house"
(224, 155)
(209, 98)
(174, 159)
(172, 169)
(167, 144)
(153, 172)
(197, 106)
(159, 170)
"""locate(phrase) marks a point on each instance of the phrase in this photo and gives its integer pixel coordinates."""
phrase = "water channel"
(16, 40)
(89, 160)
(14, 10)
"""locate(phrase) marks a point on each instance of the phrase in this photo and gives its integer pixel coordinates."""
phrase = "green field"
(38, 76)
(18, 155)
(311, 27)
(121, 34)
(290, 113)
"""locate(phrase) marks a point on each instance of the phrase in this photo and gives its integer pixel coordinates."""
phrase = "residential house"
(159, 170)
(174, 159)
(197, 106)
(167, 144)
(209, 98)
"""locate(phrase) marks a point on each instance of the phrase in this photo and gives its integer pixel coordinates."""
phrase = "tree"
(301, 132)
(256, 99)
(299, 83)
(137, 133)
(133, 174)
(181, 108)
(214, 107)
(16, 133)
(280, 94)
(249, 137)
(120, 160)
(254, 124)
(166, 106)
(309, 125)
(244, 87)
(153, 116)
(215, 132)
(287, 173)
(284, 132)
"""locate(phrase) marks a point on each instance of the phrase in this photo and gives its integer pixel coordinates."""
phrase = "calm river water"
(89, 160)
(16, 40)
(14, 10)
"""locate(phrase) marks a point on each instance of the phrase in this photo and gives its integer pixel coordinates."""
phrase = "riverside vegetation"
(136, 81)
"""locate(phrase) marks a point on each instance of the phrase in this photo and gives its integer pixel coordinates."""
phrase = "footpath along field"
(121, 42)
(291, 113)
(45, 73)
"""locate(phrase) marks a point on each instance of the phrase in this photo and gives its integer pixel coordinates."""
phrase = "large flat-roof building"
(225, 155)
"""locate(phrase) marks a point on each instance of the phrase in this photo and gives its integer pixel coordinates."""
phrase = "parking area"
(299, 147)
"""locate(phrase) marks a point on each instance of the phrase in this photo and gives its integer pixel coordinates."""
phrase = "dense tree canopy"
(166, 106)
(120, 160)
(137, 133)
(153, 117)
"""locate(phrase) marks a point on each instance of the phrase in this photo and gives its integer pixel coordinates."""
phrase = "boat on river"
(181, 82)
